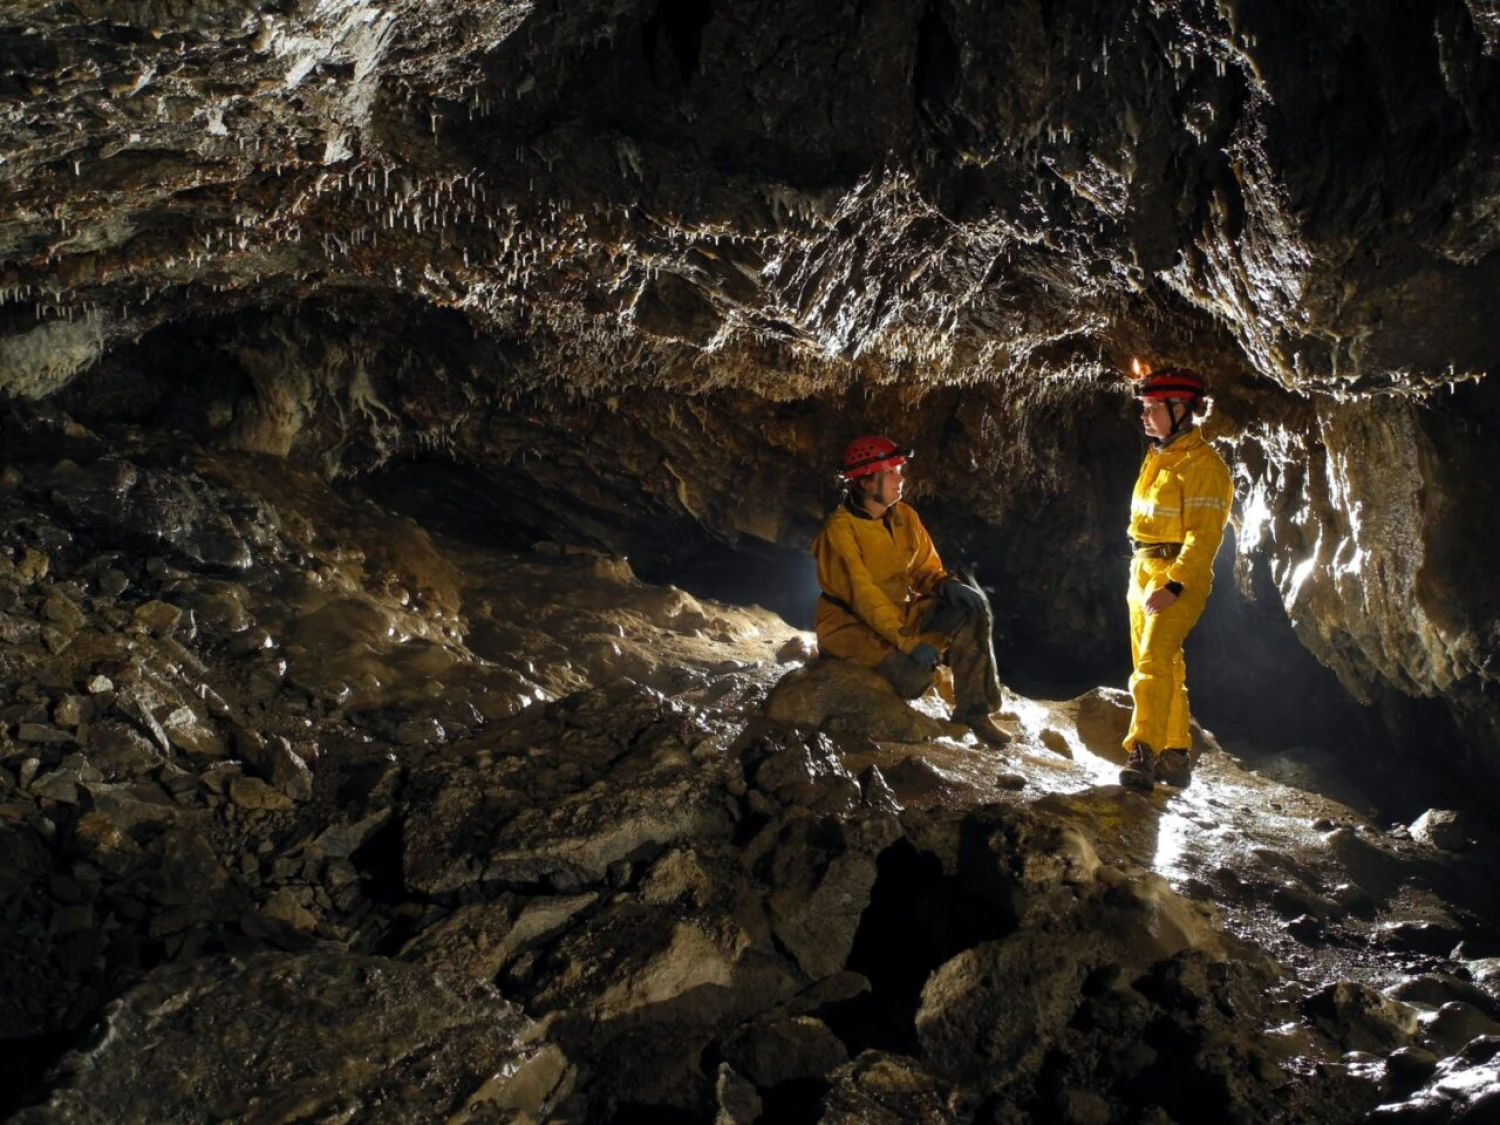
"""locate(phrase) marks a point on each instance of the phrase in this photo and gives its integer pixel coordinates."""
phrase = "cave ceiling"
(632, 259)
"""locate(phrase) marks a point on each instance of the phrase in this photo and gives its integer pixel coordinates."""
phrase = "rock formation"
(350, 350)
(313, 813)
(351, 234)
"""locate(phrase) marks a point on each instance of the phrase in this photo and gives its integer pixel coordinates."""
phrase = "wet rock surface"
(604, 264)
(385, 827)
(282, 1037)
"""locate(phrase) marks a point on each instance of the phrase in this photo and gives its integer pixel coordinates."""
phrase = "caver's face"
(1156, 416)
(883, 489)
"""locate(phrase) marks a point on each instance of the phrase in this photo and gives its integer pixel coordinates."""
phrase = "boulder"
(879, 1088)
(836, 695)
(1103, 718)
(772, 1051)
(1360, 1019)
(796, 769)
(277, 762)
(819, 872)
(1441, 828)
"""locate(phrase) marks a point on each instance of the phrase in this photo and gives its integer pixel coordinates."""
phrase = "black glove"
(961, 596)
(925, 657)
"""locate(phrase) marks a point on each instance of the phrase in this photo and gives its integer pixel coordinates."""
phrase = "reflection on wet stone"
(388, 825)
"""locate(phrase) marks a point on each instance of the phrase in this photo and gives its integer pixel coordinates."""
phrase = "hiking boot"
(982, 725)
(1140, 768)
(1174, 768)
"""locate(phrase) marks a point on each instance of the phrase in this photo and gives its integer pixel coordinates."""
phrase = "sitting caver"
(886, 600)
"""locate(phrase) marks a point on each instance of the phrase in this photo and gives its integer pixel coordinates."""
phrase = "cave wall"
(644, 266)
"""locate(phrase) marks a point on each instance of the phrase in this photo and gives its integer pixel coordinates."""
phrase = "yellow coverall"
(1182, 496)
(879, 580)
(876, 575)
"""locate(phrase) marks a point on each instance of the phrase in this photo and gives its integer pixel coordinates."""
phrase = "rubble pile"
(308, 814)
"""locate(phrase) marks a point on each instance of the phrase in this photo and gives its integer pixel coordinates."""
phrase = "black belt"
(1142, 550)
(837, 603)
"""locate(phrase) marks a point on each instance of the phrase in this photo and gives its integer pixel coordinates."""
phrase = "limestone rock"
(119, 750)
(1360, 1019)
(878, 1088)
(1455, 1025)
(41, 733)
(343, 840)
(819, 873)
(837, 695)
(967, 1030)
(574, 846)
(1465, 1087)
(253, 793)
(1103, 720)
(63, 613)
(277, 762)
(286, 905)
(677, 877)
(471, 942)
(801, 771)
(277, 1037)
(738, 1102)
(1441, 828)
(190, 871)
(59, 785)
(192, 733)
(800, 649)
(769, 1052)
(158, 618)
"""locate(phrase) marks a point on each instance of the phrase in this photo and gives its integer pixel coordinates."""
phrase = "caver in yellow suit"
(885, 595)
(1177, 514)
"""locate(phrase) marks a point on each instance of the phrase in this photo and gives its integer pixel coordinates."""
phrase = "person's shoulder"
(1202, 457)
(840, 521)
(840, 514)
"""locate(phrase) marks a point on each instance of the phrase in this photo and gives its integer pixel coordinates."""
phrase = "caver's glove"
(961, 595)
(925, 657)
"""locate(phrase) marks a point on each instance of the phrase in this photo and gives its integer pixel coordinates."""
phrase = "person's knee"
(946, 620)
(1154, 664)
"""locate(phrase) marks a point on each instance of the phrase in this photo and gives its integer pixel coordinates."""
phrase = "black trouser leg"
(971, 654)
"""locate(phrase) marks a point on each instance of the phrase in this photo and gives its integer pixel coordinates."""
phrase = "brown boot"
(1174, 768)
(1140, 768)
(982, 725)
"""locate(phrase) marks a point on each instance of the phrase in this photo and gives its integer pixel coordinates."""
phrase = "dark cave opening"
(780, 579)
(514, 513)
(637, 1113)
(29, 1063)
(917, 919)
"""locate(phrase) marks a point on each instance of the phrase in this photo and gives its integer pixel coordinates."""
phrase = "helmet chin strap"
(858, 492)
(1179, 424)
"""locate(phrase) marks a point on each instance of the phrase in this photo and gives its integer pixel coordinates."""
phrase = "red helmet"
(871, 454)
(1173, 382)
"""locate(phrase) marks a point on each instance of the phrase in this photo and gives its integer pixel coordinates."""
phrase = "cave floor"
(1312, 880)
(527, 769)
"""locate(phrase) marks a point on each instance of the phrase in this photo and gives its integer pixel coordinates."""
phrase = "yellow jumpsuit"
(876, 576)
(879, 580)
(1182, 496)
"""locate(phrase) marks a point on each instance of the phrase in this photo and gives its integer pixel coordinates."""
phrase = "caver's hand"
(1158, 600)
(960, 594)
(925, 657)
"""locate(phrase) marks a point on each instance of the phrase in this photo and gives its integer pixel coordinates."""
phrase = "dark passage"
(917, 919)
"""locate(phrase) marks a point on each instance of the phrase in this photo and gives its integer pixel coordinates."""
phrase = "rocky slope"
(310, 814)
